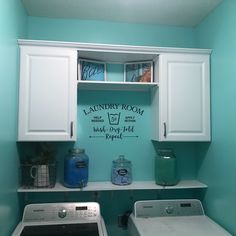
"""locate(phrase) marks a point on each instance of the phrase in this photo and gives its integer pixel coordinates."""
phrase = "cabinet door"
(184, 112)
(48, 94)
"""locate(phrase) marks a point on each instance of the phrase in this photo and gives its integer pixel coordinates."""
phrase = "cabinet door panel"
(185, 103)
(47, 94)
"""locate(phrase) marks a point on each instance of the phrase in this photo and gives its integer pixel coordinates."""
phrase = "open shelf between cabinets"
(108, 186)
(110, 85)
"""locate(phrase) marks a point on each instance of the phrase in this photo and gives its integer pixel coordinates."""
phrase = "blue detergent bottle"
(76, 168)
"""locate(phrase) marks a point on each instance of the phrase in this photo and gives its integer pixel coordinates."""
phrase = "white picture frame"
(138, 72)
(91, 70)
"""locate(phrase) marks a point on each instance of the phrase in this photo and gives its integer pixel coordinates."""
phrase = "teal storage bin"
(165, 168)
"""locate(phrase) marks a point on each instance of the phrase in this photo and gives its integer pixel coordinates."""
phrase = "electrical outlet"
(96, 195)
(123, 219)
(119, 221)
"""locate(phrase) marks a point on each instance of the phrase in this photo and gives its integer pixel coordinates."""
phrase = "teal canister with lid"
(165, 168)
(76, 168)
(121, 173)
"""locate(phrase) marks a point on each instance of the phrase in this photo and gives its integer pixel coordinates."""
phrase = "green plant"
(44, 153)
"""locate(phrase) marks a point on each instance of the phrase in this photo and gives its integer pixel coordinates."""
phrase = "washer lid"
(84, 229)
(178, 226)
(58, 228)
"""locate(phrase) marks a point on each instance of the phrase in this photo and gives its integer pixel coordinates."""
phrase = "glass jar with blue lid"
(121, 173)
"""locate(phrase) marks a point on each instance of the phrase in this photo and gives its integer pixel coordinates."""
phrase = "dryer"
(55, 219)
(172, 218)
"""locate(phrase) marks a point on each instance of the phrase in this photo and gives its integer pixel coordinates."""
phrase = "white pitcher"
(40, 174)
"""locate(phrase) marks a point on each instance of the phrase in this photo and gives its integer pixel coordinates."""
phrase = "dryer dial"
(169, 210)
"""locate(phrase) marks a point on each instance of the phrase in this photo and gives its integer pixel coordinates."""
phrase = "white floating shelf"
(108, 186)
(125, 86)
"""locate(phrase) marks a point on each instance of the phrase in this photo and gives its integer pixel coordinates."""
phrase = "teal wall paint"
(218, 165)
(100, 151)
(13, 22)
(103, 150)
(216, 162)
(140, 150)
(109, 32)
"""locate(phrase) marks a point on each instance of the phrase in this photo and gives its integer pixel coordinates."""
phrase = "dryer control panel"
(162, 208)
(62, 212)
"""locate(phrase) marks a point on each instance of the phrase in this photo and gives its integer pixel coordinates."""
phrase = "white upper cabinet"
(182, 103)
(47, 94)
(48, 88)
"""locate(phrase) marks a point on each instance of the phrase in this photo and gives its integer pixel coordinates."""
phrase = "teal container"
(165, 168)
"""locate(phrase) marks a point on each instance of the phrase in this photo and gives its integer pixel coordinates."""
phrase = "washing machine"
(55, 219)
(172, 218)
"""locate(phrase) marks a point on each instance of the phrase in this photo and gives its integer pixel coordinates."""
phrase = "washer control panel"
(162, 208)
(47, 212)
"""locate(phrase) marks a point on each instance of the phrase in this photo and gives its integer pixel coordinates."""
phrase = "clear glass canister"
(165, 168)
(76, 168)
(121, 173)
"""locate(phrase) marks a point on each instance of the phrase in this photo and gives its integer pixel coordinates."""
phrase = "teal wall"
(109, 32)
(217, 168)
(99, 145)
(213, 163)
(141, 151)
(101, 152)
(13, 22)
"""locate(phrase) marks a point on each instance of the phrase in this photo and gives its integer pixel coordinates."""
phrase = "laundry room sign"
(113, 121)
